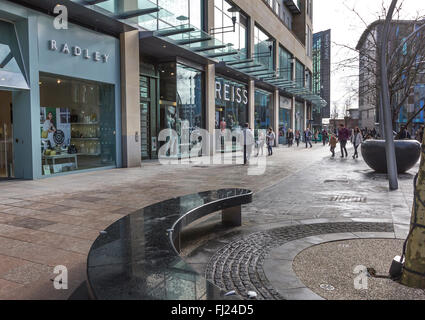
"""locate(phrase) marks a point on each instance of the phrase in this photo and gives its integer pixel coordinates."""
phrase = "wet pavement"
(54, 221)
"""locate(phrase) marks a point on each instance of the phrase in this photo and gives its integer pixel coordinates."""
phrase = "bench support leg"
(232, 216)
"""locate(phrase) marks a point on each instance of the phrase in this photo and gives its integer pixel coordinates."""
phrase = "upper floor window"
(224, 11)
(264, 48)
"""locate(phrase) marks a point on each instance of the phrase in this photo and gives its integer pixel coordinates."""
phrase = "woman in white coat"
(356, 140)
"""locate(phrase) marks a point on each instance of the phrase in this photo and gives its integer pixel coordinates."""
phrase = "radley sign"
(77, 51)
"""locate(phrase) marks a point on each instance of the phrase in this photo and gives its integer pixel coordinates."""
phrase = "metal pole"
(386, 106)
(245, 160)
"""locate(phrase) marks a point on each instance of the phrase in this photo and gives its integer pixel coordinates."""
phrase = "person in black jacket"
(290, 138)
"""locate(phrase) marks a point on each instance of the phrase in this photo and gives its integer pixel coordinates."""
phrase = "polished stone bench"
(137, 257)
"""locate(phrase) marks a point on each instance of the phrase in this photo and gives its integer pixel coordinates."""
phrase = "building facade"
(101, 92)
(406, 88)
(322, 75)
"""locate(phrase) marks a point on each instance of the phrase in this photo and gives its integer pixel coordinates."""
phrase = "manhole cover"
(348, 199)
(327, 287)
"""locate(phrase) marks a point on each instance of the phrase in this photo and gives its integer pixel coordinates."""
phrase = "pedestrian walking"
(290, 138)
(404, 134)
(271, 137)
(248, 141)
(325, 137)
(298, 137)
(333, 142)
(307, 138)
(343, 136)
(356, 140)
(260, 142)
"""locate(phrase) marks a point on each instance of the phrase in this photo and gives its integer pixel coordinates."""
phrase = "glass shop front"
(77, 124)
(231, 111)
(181, 105)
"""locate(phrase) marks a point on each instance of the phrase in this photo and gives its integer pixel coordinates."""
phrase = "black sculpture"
(408, 153)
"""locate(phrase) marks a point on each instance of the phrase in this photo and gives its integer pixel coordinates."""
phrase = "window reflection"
(264, 48)
(223, 19)
(263, 109)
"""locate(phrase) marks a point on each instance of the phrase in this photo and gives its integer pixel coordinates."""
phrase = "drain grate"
(348, 199)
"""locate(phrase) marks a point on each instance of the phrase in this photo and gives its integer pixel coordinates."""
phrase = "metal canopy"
(173, 31)
(135, 13)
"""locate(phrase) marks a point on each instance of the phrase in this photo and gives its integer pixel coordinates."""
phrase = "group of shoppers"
(264, 138)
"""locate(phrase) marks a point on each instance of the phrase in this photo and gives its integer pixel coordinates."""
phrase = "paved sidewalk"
(54, 221)
(330, 196)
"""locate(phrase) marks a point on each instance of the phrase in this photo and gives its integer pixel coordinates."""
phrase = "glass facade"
(12, 75)
(264, 48)
(173, 12)
(263, 109)
(299, 116)
(181, 102)
(77, 124)
(285, 64)
(231, 102)
(299, 74)
(285, 118)
(223, 22)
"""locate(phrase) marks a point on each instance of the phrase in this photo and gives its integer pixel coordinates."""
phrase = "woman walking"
(271, 137)
(297, 137)
(356, 140)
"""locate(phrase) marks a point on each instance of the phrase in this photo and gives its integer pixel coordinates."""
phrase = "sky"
(347, 28)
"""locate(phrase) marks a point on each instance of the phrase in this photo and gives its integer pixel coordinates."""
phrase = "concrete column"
(251, 104)
(130, 99)
(276, 115)
(305, 115)
(210, 106)
(210, 15)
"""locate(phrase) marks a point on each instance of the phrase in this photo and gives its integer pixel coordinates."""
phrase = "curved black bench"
(137, 257)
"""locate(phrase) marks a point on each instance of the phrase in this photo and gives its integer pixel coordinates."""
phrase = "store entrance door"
(6, 136)
(148, 118)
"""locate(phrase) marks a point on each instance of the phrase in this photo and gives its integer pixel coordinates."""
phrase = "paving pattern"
(239, 265)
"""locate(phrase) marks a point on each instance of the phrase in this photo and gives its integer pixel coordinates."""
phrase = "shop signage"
(77, 51)
(285, 103)
(229, 92)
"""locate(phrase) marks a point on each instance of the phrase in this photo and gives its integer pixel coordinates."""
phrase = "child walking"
(333, 142)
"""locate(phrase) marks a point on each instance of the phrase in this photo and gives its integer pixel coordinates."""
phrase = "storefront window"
(77, 124)
(264, 48)
(284, 118)
(299, 116)
(231, 101)
(263, 109)
(181, 103)
(223, 19)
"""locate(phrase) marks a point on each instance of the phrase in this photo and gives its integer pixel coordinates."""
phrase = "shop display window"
(263, 109)
(77, 124)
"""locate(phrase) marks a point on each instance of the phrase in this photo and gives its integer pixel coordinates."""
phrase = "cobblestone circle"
(239, 265)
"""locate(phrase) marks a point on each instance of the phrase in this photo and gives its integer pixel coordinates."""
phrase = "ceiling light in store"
(172, 73)
(59, 81)
(40, 83)
(3, 79)
(164, 46)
